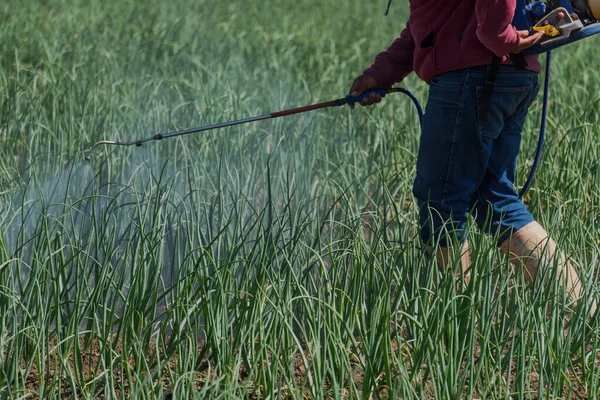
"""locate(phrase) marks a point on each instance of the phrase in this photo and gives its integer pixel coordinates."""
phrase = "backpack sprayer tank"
(562, 21)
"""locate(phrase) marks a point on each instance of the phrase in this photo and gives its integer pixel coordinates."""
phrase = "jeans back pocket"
(505, 103)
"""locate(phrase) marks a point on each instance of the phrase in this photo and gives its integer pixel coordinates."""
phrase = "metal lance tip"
(88, 158)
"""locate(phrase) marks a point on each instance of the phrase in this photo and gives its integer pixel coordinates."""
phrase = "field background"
(274, 260)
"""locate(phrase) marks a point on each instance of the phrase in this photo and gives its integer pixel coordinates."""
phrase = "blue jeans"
(467, 161)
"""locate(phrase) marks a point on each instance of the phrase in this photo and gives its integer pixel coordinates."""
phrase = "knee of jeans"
(500, 220)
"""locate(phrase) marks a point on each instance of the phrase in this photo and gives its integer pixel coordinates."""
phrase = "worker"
(480, 90)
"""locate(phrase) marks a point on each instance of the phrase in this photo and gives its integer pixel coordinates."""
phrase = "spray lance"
(348, 100)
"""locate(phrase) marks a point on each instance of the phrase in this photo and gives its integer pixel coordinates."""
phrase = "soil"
(91, 368)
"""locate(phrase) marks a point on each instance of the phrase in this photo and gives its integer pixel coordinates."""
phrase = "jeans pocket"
(504, 103)
(452, 80)
(445, 96)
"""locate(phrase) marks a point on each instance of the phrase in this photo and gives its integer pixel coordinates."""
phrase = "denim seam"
(459, 114)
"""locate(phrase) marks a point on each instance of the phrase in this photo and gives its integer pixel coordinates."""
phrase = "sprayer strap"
(518, 61)
(490, 83)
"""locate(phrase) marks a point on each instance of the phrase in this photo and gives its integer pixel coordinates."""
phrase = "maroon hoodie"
(445, 35)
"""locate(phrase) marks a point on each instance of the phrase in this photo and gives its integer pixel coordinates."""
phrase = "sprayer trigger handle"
(351, 99)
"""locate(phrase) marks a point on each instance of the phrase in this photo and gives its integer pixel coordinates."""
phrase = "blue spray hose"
(415, 102)
(383, 92)
(540, 145)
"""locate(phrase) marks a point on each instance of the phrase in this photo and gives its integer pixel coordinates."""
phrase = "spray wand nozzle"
(348, 100)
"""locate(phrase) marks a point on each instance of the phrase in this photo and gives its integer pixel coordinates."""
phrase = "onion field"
(275, 260)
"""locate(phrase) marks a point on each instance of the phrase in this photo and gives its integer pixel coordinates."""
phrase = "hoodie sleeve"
(396, 62)
(494, 25)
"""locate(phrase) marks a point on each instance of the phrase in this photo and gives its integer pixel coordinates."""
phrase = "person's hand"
(362, 84)
(526, 40)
